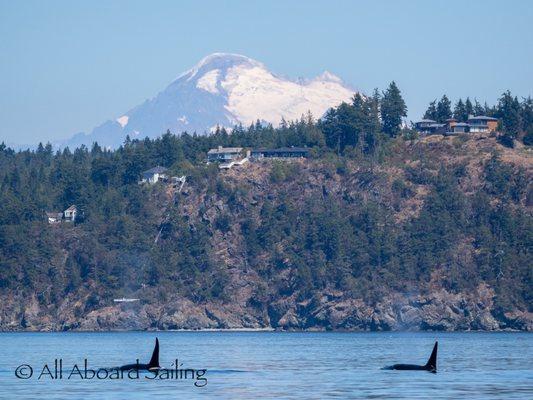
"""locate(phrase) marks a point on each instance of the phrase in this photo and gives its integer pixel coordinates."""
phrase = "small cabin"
(223, 154)
(154, 175)
(282, 152)
(482, 123)
(70, 214)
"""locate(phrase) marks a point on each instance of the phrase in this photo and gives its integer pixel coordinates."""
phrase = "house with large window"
(482, 123)
(224, 154)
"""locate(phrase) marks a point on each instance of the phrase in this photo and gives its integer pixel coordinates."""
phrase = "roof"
(155, 170)
(427, 121)
(71, 208)
(482, 118)
(222, 150)
(283, 150)
(451, 120)
(53, 214)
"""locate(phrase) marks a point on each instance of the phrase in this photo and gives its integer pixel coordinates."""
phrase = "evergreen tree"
(469, 108)
(373, 124)
(431, 112)
(508, 111)
(478, 109)
(444, 110)
(393, 108)
(526, 117)
(459, 112)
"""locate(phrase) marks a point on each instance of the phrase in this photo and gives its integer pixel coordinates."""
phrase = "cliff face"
(413, 242)
(440, 310)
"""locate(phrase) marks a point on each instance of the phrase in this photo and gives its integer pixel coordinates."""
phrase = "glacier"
(221, 90)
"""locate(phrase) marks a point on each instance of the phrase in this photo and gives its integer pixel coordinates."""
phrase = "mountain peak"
(219, 61)
(222, 89)
(327, 76)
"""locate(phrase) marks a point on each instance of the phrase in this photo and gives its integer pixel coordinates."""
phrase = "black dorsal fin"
(432, 362)
(154, 361)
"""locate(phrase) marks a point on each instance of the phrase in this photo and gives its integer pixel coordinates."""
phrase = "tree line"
(350, 243)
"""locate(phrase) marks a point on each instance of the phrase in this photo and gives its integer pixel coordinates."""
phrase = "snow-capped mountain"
(225, 90)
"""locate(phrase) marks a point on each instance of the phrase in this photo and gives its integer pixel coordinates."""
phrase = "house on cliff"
(474, 124)
(70, 214)
(224, 154)
(154, 175)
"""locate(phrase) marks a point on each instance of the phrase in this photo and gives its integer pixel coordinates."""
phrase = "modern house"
(154, 175)
(223, 154)
(458, 127)
(54, 217)
(482, 123)
(282, 152)
(70, 214)
(428, 126)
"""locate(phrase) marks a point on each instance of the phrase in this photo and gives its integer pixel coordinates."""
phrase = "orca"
(431, 365)
(153, 364)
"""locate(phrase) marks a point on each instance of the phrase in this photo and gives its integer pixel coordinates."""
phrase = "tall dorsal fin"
(154, 361)
(432, 362)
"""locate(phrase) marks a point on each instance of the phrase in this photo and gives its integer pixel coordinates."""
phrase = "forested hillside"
(378, 229)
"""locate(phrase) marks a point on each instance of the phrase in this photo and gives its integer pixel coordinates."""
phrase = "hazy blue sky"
(67, 66)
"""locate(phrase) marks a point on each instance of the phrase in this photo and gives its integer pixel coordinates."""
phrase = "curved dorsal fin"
(432, 362)
(154, 361)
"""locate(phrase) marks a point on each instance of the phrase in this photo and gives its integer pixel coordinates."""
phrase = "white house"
(54, 217)
(154, 175)
(70, 213)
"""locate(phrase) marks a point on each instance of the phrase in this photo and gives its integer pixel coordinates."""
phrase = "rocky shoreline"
(332, 311)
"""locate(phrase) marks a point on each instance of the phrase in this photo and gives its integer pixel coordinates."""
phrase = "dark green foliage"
(460, 112)
(354, 128)
(444, 110)
(223, 223)
(509, 113)
(298, 237)
(393, 108)
(528, 136)
(469, 108)
(441, 111)
(505, 182)
(431, 112)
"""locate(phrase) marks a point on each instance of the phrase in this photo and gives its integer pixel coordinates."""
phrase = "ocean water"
(269, 365)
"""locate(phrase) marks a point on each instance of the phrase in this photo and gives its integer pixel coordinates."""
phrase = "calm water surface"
(268, 365)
